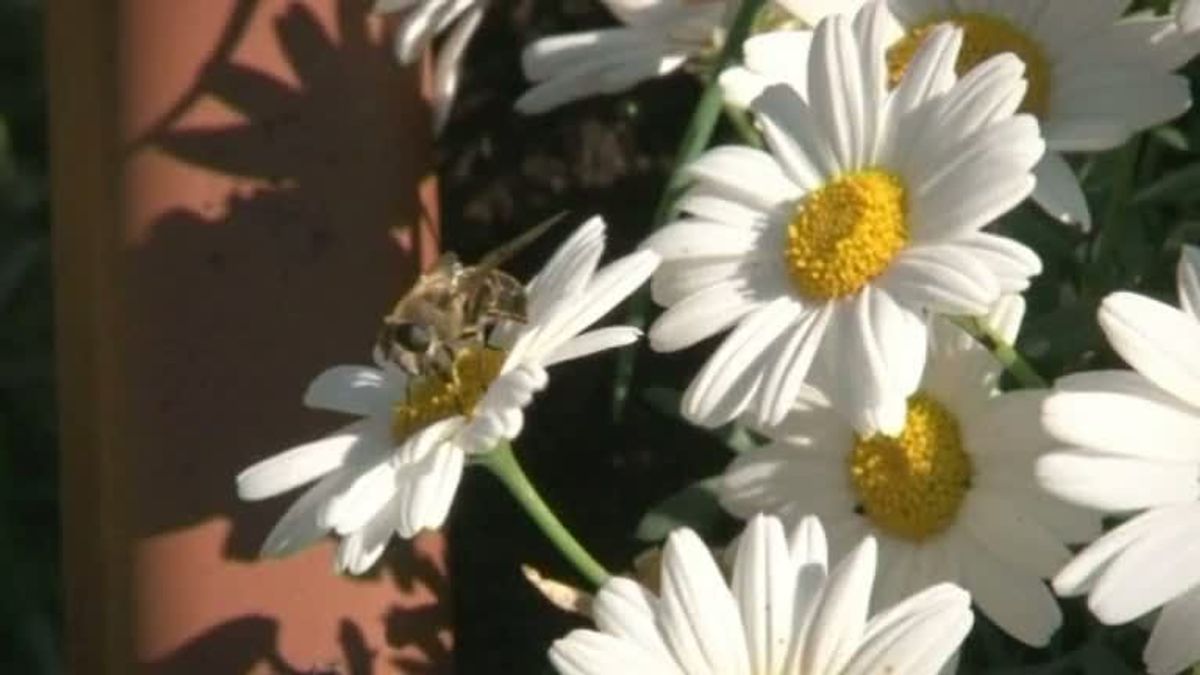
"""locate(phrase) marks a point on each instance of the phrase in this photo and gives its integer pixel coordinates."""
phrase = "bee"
(454, 306)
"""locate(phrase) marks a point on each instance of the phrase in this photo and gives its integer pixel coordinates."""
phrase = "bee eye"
(412, 336)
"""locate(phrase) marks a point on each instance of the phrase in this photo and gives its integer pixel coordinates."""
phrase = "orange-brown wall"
(241, 188)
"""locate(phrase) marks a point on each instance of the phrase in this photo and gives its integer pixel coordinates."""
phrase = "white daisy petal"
(709, 631)
(807, 545)
(1173, 646)
(699, 615)
(428, 478)
(418, 30)
(699, 238)
(354, 390)
(589, 652)
(300, 526)
(616, 73)
(1114, 483)
(1188, 279)
(945, 279)
(608, 288)
(1133, 95)
(551, 56)
(362, 499)
(918, 635)
(793, 133)
(1157, 340)
(1016, 601)
(1079, 576)
(700, 316)
(786, 378)
(722, 387)
(1059, 193)
(764, 584)
(836, 624)
(930, 74)
(568, 271)
(1113, 423)
(306, 462)
(1150, 571)
(447, 66)
(1012, 262)
(675, 280)
(1011, 534)
(770, 58)
(362, 549)
(976, 186)
(592, 342)
(750, 175)
(836, 92)
(626, 610)
(712, 205)
(1083, 134)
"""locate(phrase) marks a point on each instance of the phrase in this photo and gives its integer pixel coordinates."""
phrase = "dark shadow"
(245, 645)
(233, 306)
(288, 276)
(415, 629)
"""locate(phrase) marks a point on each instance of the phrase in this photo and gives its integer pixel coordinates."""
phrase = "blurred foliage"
(30, 617)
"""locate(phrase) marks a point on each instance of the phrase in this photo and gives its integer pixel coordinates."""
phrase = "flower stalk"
(1005, 353)
(696, 137)
(504, 466)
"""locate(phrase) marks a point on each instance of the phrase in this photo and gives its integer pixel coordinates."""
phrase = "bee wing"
(498, 255)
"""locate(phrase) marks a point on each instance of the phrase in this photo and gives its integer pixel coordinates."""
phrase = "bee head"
(411, 337)
(406, 344)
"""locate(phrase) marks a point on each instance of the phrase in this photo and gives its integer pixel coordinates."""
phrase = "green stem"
(741, 122)
(504, 465)
(696, 137)
(699, 130)
(1005, 353)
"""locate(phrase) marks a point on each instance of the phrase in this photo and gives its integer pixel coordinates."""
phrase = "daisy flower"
(396, 469)
(827, 253)
(951, 498)
(423, 21)
(1096, 78)
(1134, 443)
(781, 613)
(659, 36)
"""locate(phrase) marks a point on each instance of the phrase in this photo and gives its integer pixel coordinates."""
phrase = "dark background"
(501, 173)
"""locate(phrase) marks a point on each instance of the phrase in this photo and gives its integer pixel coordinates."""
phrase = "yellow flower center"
(433, 397)
(984, 36)
(845, 233)
(912, 486)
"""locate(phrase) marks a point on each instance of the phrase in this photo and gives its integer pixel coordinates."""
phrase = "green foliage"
(30, 639)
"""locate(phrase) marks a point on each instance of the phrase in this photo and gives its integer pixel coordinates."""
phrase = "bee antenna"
(499, 255)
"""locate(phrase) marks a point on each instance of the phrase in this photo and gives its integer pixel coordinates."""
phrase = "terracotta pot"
(241, 189)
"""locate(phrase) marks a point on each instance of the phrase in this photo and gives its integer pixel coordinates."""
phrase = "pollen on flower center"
(435, 397)
(846, 233)
(912, 486)
(984, 36)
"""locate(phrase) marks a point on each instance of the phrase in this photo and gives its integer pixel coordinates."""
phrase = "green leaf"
(695, 506)
(663, 400)
(1171, 137)
(1179, 187)
(738, 438)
